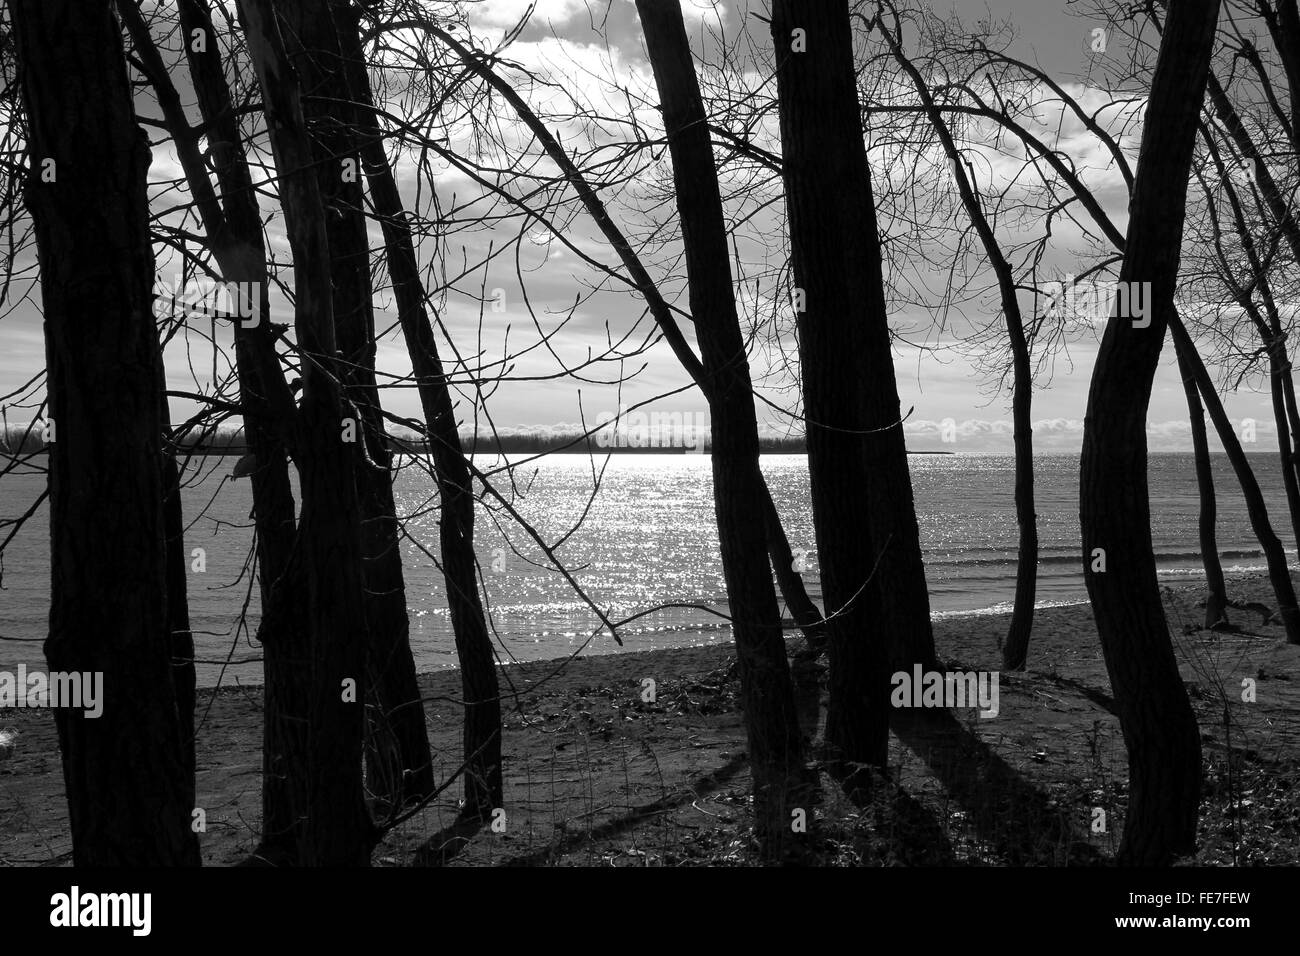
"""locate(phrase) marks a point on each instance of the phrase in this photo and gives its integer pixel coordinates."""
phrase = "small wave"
(1057, 560)
(1200, 571)
(1002, 607)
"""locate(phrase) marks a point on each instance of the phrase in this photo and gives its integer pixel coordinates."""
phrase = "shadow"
(917, 837)
(700, 787)
(1006, 812)
(911, 834)
(1102, 700)
(448, 843)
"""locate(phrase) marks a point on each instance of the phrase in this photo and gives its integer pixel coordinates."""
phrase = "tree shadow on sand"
(1016, 820)
(698, 788)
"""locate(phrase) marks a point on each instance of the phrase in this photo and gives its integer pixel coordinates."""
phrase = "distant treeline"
(16, 439)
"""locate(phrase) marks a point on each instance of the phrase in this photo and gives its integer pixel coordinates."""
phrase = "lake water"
(648, 537)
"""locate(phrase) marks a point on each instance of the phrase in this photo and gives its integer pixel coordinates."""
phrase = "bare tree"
(1159, 727)
(1016, 647)
(109, 617)
(233, 224)
(337, 829)
(771, 722)
(397, 752)
(1216, 601)
(878, 612)
(482, 730)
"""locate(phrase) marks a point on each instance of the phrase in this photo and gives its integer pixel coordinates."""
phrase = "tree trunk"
(868, 546)
(400, 767)
(771, 722)
(1292, 412)
(1216, 589)
(1274, 555)
(1159, 726)
(129, 795)
(802, 610)
(1282, 423)
(178, 604)
(268, 413)
(1015, 652)
(337, 829)
(482, 731)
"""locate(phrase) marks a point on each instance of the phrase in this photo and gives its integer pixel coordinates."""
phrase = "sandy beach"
(594, 775)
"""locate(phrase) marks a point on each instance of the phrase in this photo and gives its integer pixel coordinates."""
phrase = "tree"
(1016, 648)
(1216, 600)
(401, 768)
(1240, 292)
(1217, 280)
(482, 730)
(230, 216)
(1119, 563)
(1274, 554)
(130, 792)
(337, 829)
(771, 723)
(873, 579)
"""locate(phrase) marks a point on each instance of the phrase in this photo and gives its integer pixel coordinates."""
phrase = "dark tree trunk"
(178, 604)
(1216, 589)
(868, 546)
(482, 731)
(1015, 652)
(1159, 726)
(1282, 423)
(337, 829)
(400, 767)
(1274, 555)
(129, 796)
(771, 722)
(802, 610)
(269, 415)
(1285, 374)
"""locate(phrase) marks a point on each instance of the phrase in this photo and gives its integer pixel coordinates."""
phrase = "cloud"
(504, 14)
(711, 10)
(976, 435)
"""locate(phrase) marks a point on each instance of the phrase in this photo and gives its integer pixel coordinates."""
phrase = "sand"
(594, 775)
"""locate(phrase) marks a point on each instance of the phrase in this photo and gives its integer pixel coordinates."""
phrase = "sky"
(590, 48)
